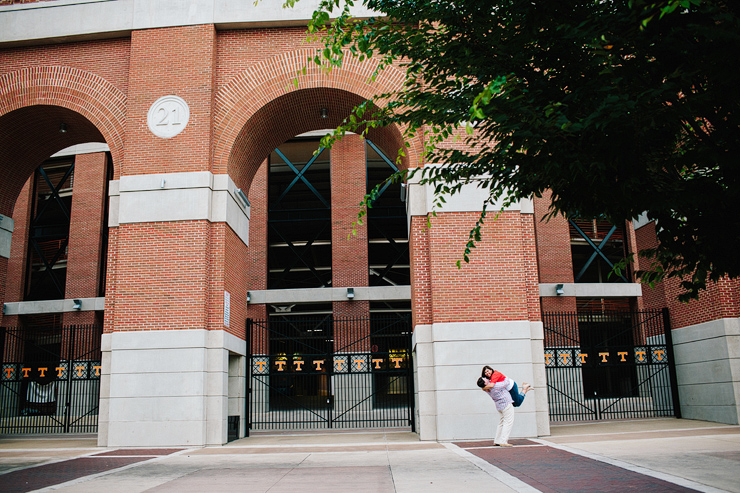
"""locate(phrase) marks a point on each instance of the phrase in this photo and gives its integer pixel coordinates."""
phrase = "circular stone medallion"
(168, 116)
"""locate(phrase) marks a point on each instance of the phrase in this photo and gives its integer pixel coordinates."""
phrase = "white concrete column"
(179, 197)
(165, 388)
(708, 370)
(448, 359)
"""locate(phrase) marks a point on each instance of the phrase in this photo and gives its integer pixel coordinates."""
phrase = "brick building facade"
(173, 119)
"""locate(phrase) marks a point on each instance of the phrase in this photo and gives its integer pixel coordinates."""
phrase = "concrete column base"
(166, 388)
(448, 359)
(708, 370)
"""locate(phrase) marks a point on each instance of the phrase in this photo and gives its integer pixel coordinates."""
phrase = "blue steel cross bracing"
(597, 250)
(388, 162)
(299, 176)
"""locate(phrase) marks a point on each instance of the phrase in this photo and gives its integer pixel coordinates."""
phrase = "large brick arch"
(262, 107)
(34, 101)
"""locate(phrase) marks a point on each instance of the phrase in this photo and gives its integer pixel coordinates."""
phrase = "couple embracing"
(506, 395)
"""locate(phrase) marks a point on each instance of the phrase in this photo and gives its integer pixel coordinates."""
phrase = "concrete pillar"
(177, 313)
(349, 251)
(554, 257)
(15, 233)
(485, 313)
(86, 233)
(706, 342)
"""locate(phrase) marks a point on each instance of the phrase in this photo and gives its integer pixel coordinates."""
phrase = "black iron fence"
(50, 381)
(330, 373)
(610, 365)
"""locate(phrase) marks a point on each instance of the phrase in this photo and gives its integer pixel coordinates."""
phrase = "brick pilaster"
(85, 232)
(165, 276)
(349, 252)
(15, 281)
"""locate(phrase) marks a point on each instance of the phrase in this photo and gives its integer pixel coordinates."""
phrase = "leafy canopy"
(618, 107)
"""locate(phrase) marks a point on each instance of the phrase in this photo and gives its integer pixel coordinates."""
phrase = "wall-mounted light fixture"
(62, 128)
(324, 113)
(77, 304)
(404, 192)
(351, 293)
(559, 289)
(243, 197)
(249, 296)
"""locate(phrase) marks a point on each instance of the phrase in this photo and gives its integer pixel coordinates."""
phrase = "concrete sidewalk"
(666, 454)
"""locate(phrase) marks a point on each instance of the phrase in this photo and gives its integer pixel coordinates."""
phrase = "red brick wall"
(111, 277)
(108, 59)
(85, 85)
(496, 285)
(228, 273)
(421, 275)
(720, 300)
(348, 187)
(531, 276)
(85, 232)
(19, 245)
(169, 275)
(162, 274)
(553, 244)
(652, 298)
(349, 252)
(256, 264)
(239, 88)
(180, 61)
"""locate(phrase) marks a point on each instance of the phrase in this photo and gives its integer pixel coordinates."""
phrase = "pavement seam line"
(499, 474)
(337, 445)
(290, 470)
(677, 480)
(90, 477)
(729, 427)
(390, 469)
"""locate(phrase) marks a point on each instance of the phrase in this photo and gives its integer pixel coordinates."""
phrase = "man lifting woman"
(506, 396)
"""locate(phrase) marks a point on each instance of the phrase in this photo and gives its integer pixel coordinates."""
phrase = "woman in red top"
(492, 376)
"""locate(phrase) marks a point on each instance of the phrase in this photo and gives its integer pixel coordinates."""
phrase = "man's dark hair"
(481, 382)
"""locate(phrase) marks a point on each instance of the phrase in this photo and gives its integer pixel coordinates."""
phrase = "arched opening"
(318, 290)
(56, 167)
(304, 204)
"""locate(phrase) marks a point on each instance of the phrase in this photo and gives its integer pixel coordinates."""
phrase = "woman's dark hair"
(483, 372)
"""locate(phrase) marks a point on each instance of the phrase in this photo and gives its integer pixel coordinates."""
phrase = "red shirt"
(497, 376)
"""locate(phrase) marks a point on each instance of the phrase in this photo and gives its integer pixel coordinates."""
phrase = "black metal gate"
(320, 373)
(610, 365)
(50, 380)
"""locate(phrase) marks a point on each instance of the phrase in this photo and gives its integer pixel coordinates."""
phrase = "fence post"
(248, 380)
(70, 367)
(410, 388)
(671, 362)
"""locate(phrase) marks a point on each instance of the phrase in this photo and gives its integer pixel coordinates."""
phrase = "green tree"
(619, 107)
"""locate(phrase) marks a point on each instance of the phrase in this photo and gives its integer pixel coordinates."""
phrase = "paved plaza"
(646, 455)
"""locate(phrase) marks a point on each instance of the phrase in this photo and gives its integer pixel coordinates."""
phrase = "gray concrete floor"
(698, 455)
(705, 453)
